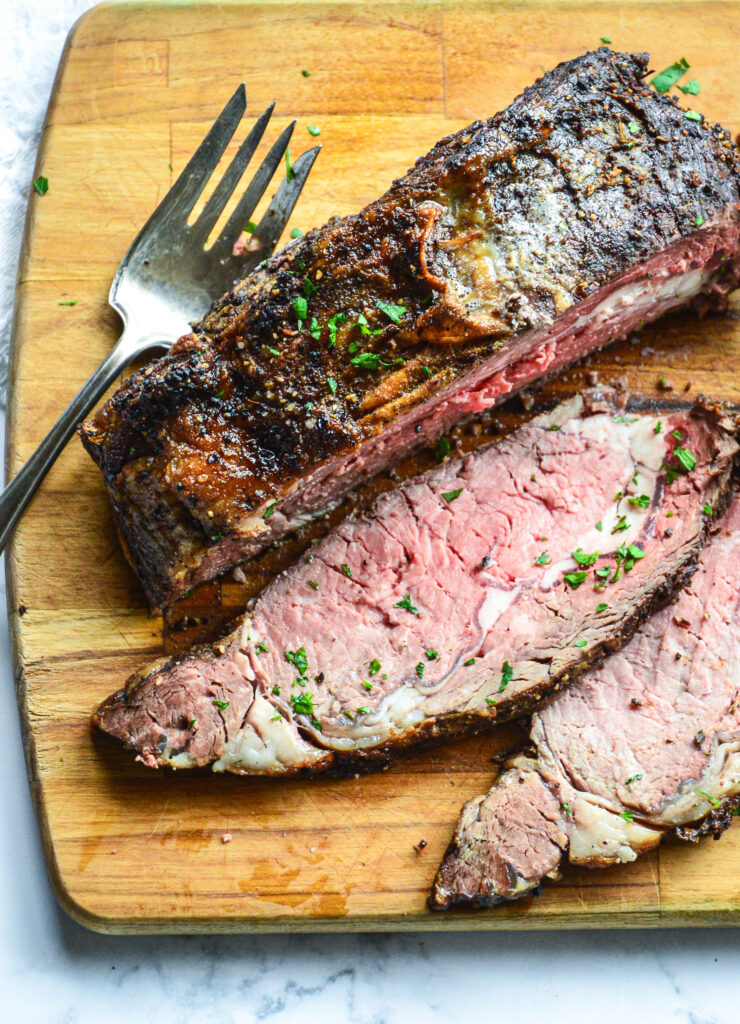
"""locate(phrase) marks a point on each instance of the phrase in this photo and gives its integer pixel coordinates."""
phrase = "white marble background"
(54, 972)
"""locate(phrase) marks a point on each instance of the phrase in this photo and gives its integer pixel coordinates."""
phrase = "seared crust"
(197, 447)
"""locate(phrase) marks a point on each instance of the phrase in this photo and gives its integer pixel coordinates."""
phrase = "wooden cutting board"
(132, 850)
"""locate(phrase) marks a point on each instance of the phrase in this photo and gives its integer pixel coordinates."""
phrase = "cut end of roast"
(462, 598)
(644, 746)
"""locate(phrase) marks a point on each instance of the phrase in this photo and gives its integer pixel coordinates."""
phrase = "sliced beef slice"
(644, 746)
(588, 207)
(454, 603)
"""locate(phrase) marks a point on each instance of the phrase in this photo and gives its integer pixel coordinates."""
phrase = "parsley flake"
(366, 685)
(431, 654)
(270, 509)
(699, 221)
(332, 385)
(691, 115)
(346, 570)
(691, 87)
(633, 778)
(712, 799)
(544, 559)
(407, 605)
(449, 496)
(420, 670)
(470, 661)
(262, 648)
(41, 185)
(707, 509)
(302, 703)
(685, 459)
(507, 674)
(296, 233)
(669, 76)
(392, 311)
(222, 704)
(313, 130)
(289, 172)
(298, 659)
(68, 302)
(627, 815)
(581, 558)
(601, 607)
(575, 579)
(580, 643)
(443, 448)
(375, 667)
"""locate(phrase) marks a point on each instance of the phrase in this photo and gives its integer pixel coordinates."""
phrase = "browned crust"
(148, 439)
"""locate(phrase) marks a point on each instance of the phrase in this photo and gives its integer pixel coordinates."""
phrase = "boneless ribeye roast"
(460, 599)
(647, 744)
(590, 205)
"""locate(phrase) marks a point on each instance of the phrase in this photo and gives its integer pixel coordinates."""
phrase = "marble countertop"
(54, 972)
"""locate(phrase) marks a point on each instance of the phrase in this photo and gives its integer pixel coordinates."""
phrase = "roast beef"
(644, 746)
(589, 206)
(462, 598)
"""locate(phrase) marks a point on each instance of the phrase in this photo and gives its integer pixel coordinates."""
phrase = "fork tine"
(256, 189)
(222, 193)
(184, 193)
(277, 214)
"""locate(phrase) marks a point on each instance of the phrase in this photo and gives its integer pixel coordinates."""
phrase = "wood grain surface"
(133, 850)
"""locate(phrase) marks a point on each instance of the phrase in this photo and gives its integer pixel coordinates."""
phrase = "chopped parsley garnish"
(192, 723)
(566, 807)
(699, 221)
(554, 426)
(633, 128)
(407, 605)
(375, 667)
(332, 323)
(707, 509)
(364, 710)
(302, 703)
(450, 496)
(691, 115)
(276, 690)
(315, 329)
(68, 302)
(270, 509)
(313, 130)
(443, 448)
(544, 559)
(289, 172)
(346, 570)
(309, 287)
(658, 427)
(262, 648)
(41, 185)
(393, 312)
(677, 435)
(621, 525)
(691, 87)
(599, 526)
(685, 459)
(625, 419)
(426, 371)
(633, 778)
(580, 643)
(300, 305)
(669, 76)
(575, 579)
(420, 670)
(296, 233)
(601, 607)
(431, 654)
(581, 558)
(250, 227)
(712, 799)
(618, 496)
(306, 74)
(348, 714)
(603, 572)
(470, 661)
(313, 584)
(507, 674)
(332, 385)
(491, 701)
(627, 815)
(222, 704)
(605, 39)
(298, 659)
(272, 351)
(639, 501)
(367, 360)
(217, 536)
(366, 685)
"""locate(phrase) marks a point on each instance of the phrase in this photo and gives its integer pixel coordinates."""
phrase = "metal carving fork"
(168, 278)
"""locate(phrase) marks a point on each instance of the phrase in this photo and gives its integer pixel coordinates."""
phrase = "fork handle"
(25, 483)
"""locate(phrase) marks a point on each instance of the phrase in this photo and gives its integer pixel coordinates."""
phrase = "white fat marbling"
(52, 971)
(266, 743)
